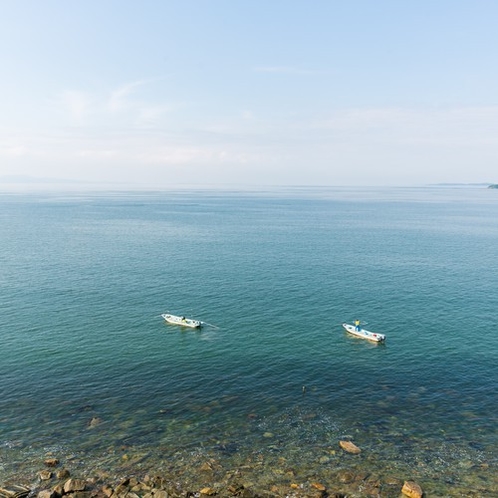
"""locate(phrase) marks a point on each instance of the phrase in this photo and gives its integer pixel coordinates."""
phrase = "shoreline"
(336, 473)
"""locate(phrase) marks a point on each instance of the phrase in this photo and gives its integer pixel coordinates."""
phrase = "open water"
(273, 380)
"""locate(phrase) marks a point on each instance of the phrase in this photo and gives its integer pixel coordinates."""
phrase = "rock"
(206, 467)
(81, 494)
(45, 475)
(47, 493)
(107, 490)
(14, 491)
(350, 447)
(63, 474)
(58, 490)
(72, 485)
(345, 476)
(207, 491)
(94, 422)
(412, 489)
(318, 486)
(51, 462)
(268, 435)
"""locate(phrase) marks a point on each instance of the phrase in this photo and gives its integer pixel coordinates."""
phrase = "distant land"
(487, 184)
(40, 181)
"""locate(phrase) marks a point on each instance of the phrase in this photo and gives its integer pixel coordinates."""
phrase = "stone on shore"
(51, 462)
(350, 447)
(412, 490)
(14, 491)
(72, 485)
(47, 493)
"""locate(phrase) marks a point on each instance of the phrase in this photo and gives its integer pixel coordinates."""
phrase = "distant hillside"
(493, 185)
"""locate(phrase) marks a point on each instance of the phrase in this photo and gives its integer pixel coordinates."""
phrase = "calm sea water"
(84, 278)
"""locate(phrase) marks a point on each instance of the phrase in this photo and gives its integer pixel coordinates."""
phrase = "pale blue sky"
(250, 92)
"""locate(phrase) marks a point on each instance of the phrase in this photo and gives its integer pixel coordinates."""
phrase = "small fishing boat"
(364, 334)
(181, 320)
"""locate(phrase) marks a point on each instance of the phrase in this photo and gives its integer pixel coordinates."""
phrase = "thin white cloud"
(119, 98)
(370, 146)
(78, 104)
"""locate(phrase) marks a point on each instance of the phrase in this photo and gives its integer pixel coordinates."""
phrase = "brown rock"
(94, 422)
(318, 486)
(46, 493)
(14, 490)
(345, 476)
(208, 491)
(51, 462)
(81, 494)
(349, 447)
(59, 490)
(412, 490)
(133, 481)
(63, 474)
(45, 475)
(107, 490)
(72, 485)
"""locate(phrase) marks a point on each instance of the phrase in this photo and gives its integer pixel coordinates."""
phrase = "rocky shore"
(55, 481)
(339, 474)
(254, 478)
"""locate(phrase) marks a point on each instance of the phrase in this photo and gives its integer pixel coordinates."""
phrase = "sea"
(264, 392)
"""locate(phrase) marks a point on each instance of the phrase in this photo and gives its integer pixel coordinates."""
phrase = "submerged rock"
(345, 476)
(412, 490)
(63, 474)
(207, 491)
(94, 422)
(350, 447)
(45, 475)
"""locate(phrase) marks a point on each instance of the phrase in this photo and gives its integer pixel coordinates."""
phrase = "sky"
(249, 92)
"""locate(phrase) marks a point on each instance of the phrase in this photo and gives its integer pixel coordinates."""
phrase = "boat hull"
(182, 321)
(364, 334)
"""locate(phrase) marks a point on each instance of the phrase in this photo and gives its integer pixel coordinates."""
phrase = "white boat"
(364, 334)
(181, 320)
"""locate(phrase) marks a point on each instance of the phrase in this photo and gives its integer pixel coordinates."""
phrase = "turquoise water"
(84, 278)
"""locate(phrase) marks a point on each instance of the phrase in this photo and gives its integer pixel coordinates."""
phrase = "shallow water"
(273, 377)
